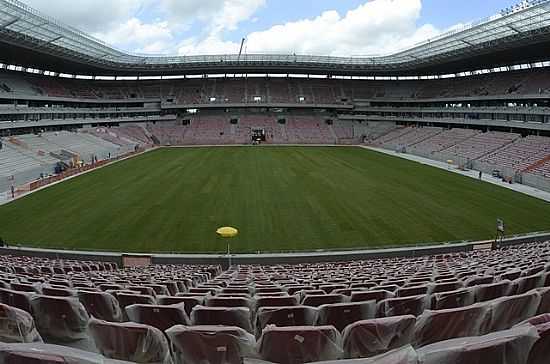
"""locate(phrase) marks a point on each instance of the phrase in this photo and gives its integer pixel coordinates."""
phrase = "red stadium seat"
(130, 341)
(453, 299)
(21, 300)
(161, 317)
(341, 315)
(510, 346)
(324, 299)
(300, 344)
(371, 295)
(211, 344)
(285, 316)
(434, 326)
(17, 326)
(398, 306)
(189, 302)
(101, 305)
(227, 316)
(371, 337)
(62, 319)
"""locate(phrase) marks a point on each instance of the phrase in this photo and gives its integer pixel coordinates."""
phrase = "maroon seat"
(341, 315)
(17, 326)
(38, 353)
(511, 275)
(190, 302)
(325, 299)
(111, 287)
(148, 291)
(387, 287)
(348, 291)
(285, 316)
(445, 287)
(296, 289)
(59, 292)
(217, 301)
(236, 290)
(371, 295)
(211, 344)
(541, 350)
(161, 317)
(21, 300)
(412, 291)
(402, 355)
(300, 344)
(227, 316)
(510, 346)
(525, 284)
(440, 325)
(270, 290)
(130, 341)
(478, 280)
(25, 287)
(510, 310)
(453, 299)
(399, 306)
(160, 289)
(100, 305)
(60, 318)
(486, 292)
(275, 301)
(371, 337)
(126, 299)
(329, 288)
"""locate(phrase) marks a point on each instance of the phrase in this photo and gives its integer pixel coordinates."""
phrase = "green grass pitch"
(280, 198)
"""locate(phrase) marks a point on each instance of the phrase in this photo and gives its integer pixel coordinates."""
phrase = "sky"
(317, 27)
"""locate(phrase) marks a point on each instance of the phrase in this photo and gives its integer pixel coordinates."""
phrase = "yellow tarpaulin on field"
(227, 232)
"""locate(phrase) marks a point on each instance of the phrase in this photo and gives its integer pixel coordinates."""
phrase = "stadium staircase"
(537, 164)
(425, 139)
(502, 147)
(333, 134)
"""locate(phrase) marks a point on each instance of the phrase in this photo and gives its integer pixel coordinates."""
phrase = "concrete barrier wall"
(272, 259)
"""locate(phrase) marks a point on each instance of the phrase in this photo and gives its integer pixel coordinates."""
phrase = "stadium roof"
(515, 36)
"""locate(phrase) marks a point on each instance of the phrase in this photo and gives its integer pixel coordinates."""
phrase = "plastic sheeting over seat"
(452, 299)
(410, 305)
(228, 316)
(403, 355)
(285, 316)
(60, 318)
(440, 325)
(101, 305)
(161, 317)
(371, 337)
(540, 353)
(130, 341)
(17, 326)
(503, 347)
(341, 315)
(21, 300)
(39, 353)
(211, 344)
(300, 344)
(508, 311)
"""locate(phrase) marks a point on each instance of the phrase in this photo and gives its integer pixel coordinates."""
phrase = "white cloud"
(378, 26)
(89, 15)
(159, 26)
(143, 37)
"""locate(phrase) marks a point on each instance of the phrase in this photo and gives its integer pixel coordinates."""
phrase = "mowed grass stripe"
(280, 198)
